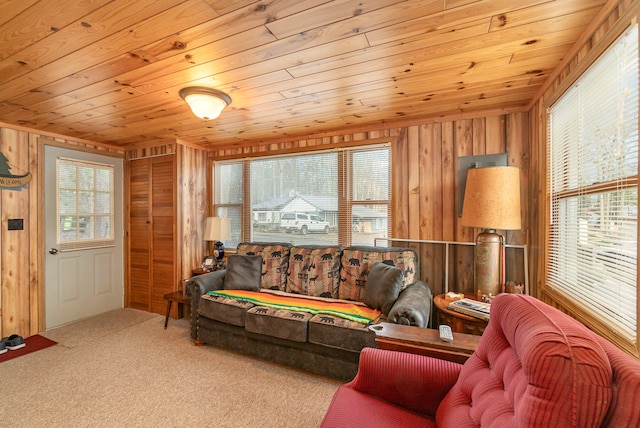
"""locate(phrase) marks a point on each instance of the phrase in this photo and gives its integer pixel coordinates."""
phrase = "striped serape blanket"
(339, 308)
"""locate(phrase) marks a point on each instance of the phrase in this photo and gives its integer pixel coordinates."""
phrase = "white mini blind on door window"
(85, 205)
(593, 135)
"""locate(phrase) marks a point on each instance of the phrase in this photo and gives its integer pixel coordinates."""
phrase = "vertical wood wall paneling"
(193, 207)
(14, 145)
(36, 236)
(461, 256)
(519, 155)
(414, 171)
(400, 186)
(449, 212)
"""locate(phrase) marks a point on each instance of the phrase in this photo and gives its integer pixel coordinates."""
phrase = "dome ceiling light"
(206, 103)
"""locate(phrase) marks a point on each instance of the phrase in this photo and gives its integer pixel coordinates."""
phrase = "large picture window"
(330, 197)
(593, 161)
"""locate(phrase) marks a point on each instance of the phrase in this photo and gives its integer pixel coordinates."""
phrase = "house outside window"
(593, 171)
(325, 198)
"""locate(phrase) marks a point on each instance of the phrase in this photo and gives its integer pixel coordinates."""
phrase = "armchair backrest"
(536, 366)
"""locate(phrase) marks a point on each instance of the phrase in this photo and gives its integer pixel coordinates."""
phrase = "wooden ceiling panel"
(110, 71)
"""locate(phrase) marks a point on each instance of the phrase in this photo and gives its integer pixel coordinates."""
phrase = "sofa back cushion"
(314, 270)
(275, 262)
(243, 272)
(533, 367)
(358, 260)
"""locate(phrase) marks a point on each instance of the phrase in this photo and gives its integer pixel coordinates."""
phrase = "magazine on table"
(471, 307)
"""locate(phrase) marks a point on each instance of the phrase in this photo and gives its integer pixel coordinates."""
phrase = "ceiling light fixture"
(206, 103)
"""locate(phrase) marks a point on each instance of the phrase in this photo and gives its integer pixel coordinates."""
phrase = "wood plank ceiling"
(110, 70)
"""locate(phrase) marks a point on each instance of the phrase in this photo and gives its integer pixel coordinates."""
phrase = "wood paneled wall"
(194, 175)
(425, 184)
(615, 17)
(22, 251)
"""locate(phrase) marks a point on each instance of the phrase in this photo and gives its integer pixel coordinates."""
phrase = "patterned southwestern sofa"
(374, 284)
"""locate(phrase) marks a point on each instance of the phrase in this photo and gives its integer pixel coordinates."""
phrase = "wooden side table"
(181, 299)
(458, 322)
(424, 341)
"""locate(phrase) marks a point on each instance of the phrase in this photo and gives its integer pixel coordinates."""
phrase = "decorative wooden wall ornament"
(9, 181)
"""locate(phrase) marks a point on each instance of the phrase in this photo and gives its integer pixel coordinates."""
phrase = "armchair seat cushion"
(379, 413)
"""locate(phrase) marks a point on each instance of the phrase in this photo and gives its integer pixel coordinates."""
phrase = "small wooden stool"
(176, 296)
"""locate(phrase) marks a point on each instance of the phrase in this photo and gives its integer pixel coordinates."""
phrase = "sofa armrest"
(196, 287)
(413, 306)
(411, 381)
(201, 284)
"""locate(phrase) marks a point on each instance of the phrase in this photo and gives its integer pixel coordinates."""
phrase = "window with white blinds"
(85, 205)
(228, 196)
(593, 161)
(327, 198)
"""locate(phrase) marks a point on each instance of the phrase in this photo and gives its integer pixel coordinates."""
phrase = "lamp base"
(218, 251)
(488, 263)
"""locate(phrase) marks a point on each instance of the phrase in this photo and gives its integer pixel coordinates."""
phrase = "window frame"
(567, 302)
(345, 196)
(93, 243)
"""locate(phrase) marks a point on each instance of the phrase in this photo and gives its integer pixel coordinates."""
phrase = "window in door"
(85, 204)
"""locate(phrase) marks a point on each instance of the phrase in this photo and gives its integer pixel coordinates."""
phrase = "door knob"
(53, 251)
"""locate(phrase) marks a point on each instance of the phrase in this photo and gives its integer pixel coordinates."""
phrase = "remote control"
(445, 333)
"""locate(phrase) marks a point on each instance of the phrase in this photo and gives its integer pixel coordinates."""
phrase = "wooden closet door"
(163, 235)
(139, 238)
(152, 238)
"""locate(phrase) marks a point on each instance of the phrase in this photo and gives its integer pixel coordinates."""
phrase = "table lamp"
(217, 229)
(491, 202)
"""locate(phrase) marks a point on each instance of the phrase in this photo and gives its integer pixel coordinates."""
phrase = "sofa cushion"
(314, 270)
(550, 368)
(223, 309)
(340, 333)
(275, 262)
(358, 260)
(243, 272)
(382, 287)
(413, 306)
(282, 323)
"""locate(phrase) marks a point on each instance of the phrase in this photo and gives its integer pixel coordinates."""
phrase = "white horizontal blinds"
(594, 188)
(229, 196)
(370, 196)
(85, 205)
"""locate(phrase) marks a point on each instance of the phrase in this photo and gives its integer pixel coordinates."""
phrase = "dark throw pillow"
(243, 272)
(382, 287)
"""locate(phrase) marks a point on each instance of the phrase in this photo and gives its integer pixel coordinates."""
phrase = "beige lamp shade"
(492, 198)
(217, 229)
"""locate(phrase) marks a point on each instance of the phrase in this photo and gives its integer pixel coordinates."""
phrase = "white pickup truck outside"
(303, 223)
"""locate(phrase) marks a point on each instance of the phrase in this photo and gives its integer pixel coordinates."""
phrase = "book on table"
(471, 307)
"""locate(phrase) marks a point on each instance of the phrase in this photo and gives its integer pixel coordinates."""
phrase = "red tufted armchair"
(534, 367)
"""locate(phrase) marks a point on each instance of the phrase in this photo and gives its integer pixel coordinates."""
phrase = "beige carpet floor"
(122, 368)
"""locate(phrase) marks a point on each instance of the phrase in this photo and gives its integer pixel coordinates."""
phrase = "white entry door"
(83, 235)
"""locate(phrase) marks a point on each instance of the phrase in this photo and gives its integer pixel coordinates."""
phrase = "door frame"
(37, 298)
